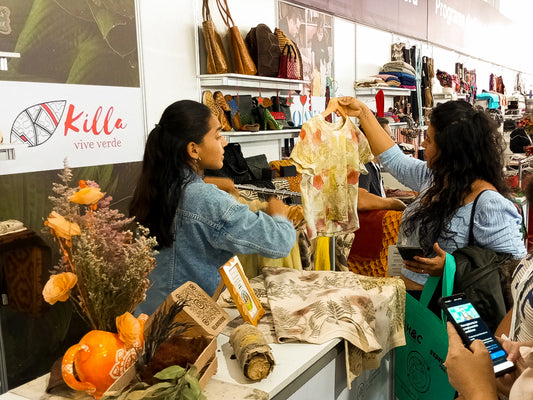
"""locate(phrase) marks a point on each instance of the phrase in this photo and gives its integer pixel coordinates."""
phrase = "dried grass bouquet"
(104, 266)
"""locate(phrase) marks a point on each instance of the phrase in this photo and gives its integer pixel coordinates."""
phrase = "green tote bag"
(420, 374)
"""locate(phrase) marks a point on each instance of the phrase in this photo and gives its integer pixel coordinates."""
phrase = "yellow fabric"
(322, 260)
(253, 264)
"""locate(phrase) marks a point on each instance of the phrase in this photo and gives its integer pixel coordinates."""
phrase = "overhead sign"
(469, 26)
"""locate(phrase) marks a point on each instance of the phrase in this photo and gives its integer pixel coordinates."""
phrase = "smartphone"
(462, 314)
(409, 252)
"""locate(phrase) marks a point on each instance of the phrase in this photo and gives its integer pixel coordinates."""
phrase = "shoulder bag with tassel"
(241, 57)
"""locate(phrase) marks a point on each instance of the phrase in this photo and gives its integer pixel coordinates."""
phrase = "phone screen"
(470, 326)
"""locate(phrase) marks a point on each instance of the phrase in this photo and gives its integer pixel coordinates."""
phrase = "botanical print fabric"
(317, 306)
(330, 156)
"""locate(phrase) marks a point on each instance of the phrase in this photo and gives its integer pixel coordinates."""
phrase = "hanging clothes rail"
(268, 190)
(290, 194)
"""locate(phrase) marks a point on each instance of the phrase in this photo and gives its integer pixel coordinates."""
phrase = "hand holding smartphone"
(469, 325)
(409, 252)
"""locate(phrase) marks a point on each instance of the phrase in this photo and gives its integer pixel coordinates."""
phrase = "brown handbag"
(241, 57)
(217, 61)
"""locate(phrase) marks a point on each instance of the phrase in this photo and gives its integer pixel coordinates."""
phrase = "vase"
(96, 362)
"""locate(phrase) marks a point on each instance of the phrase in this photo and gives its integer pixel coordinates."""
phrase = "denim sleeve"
(246, 232)
(409, 171)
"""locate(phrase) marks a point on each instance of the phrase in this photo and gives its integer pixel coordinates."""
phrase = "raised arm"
(377, 137)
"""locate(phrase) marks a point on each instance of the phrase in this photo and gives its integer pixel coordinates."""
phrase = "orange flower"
(87, 195)
(61, 227)
(130, 329)
(58, 287)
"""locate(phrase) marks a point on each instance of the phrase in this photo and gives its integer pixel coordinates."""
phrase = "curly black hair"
(469, 147)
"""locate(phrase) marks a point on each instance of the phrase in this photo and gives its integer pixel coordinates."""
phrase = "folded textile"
(386, 77)
(401, 66)
(405, 78)
(368, 82)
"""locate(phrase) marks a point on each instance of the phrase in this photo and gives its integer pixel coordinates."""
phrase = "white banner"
(44, 123)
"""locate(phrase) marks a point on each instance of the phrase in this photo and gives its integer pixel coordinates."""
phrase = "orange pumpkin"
(99, 359)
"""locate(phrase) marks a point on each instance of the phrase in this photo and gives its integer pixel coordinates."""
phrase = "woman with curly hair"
(463, 159)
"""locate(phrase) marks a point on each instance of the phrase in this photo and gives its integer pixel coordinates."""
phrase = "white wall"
(344, 57)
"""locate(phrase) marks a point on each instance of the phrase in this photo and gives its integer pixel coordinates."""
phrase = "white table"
(302, 372)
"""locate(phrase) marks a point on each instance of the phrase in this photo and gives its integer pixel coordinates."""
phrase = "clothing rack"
(257, 189)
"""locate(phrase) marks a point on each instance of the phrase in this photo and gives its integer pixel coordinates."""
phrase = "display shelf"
(241, 137)
(387, 91)
(249, 81)
(449, 96)
(397, 125)
(7, 54)
(4, 55)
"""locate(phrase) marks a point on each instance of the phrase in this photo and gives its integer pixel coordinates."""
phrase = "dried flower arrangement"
(104, 266)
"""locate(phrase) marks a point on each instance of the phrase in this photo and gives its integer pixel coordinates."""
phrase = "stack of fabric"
(390, 80)
(405, 73)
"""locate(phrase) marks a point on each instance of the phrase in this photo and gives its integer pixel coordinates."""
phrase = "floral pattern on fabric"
(330, 157)
(317, 306)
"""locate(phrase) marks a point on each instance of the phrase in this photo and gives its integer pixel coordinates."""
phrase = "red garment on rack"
(380, 104)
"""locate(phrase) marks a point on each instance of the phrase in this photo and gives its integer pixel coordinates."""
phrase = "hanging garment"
(330, 157)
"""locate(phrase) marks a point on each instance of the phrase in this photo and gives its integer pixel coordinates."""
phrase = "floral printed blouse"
(330, 157)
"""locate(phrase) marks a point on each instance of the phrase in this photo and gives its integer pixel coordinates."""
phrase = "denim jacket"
(210, 227)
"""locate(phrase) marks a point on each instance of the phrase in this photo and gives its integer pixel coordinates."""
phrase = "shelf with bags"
(243, 136)
(249, 81)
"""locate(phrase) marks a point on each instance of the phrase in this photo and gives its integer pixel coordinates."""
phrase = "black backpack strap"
(471, 240)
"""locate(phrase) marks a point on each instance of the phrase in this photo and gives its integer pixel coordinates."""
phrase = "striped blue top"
(497, 222)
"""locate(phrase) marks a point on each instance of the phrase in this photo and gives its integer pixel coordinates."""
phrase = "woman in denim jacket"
(197, 225)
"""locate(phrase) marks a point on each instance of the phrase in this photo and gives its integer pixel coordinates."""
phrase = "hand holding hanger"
(334, 107)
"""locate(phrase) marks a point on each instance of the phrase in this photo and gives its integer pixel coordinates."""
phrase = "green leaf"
(171, 373)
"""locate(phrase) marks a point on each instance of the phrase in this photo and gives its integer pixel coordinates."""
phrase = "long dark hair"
(159, 188)
(469, 147)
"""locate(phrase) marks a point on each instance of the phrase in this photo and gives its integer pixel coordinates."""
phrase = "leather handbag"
(284, 40)
(288, 65)
(217, 61)
(242, 60)
(263, 46)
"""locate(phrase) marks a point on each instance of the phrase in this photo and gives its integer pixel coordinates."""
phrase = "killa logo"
(36, 124)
